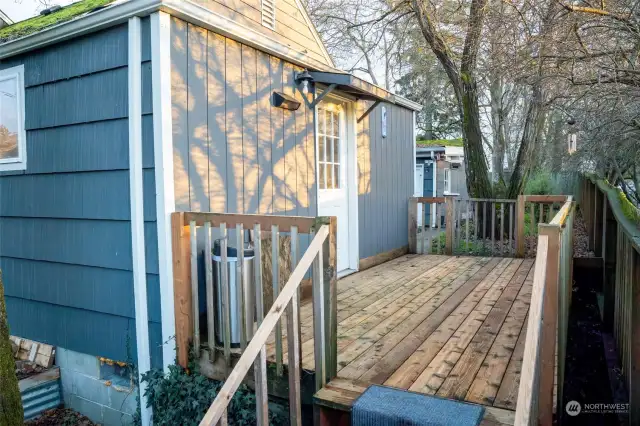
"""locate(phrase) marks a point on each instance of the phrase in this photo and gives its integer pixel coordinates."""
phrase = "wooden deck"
(450, 326)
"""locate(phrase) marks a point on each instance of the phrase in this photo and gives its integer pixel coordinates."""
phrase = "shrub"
(540, 183)
(182, 397)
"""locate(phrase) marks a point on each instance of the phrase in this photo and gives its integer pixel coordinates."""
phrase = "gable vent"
(269, 13)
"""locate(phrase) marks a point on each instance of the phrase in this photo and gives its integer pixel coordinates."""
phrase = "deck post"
(181, 248)
(634, 370)
(549, 322)
(330, 263)
(520, 206)
(609, 252)
(597, 220)
(449, 224)
(413, 225)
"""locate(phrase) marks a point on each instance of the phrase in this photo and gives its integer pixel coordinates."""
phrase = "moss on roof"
(40, 22)
(439, 142)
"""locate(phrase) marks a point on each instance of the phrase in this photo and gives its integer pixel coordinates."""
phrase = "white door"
(333, 188)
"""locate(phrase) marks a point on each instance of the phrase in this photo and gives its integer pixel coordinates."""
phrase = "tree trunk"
(11, 413)
(498, 129)
(475, 162)
(533, 125)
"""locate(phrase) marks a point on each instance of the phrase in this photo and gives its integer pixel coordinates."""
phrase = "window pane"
(321, 148)
(336, 124)
(336, 174)
(336, 150)
(322, 179)
(8, 119)
(320, 121)
(329, 177)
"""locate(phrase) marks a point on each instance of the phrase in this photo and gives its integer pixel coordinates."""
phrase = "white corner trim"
(137, 211)
(415, 153)
(352, 187)
(163, 160)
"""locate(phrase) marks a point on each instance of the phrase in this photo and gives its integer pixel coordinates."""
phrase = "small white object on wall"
(384, 121)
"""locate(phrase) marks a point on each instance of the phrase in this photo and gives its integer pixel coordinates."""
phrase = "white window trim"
(447, 181)
(20, 162)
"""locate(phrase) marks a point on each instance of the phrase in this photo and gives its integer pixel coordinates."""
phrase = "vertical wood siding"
(65, 246)
(233, 151)
(385, 179)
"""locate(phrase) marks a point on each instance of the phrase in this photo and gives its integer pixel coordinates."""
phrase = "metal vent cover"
(269, 13)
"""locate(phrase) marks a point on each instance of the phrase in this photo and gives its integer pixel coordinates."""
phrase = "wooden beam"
(413, 225)
(182, 286)
(449, 225)
(284, 223)
(520, 226)
(549, 323)
(330, 263)
(370, 262)
(526, 408)
(546, 198)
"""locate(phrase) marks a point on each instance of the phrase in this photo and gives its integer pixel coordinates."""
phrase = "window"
(447, 180)
(269, 14)
(329, 146)
(13, 154)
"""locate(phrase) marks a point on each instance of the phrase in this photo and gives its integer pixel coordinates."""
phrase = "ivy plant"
(182, 397)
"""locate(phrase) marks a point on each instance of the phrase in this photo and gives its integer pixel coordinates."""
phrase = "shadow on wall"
(233, 151)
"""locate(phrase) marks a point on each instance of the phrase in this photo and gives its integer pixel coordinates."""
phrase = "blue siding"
(65, 225)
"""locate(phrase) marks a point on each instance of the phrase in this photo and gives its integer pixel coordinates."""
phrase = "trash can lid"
(231, 251)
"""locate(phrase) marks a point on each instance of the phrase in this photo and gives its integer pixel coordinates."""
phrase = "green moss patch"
(628, 209)
(439, 142)
(39, 23)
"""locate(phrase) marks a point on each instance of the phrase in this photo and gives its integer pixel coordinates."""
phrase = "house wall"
(233, 151)
(385, 178)
(65, 251)
(292, 29)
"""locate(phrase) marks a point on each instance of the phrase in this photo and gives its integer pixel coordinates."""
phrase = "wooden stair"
(334, 401)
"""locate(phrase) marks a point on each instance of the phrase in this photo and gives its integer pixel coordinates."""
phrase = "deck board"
(451, 326)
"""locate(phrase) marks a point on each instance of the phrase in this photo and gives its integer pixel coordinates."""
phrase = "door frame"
(351, 168)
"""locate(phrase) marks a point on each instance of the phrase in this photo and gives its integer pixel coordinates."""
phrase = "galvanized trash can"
(235, 313)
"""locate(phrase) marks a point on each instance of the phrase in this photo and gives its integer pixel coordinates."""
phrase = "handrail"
(529, 377)
(219, 406)
(548, 318)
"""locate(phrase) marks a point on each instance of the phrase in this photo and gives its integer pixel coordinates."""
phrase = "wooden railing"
(545, 345)
(477, 226)
(195, 232)
(614, 236)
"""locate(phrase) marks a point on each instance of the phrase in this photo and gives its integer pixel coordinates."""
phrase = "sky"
(19, 10)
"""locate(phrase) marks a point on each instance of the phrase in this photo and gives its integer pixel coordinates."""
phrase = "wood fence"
(615, 237)
(477, 226)
(255, 327)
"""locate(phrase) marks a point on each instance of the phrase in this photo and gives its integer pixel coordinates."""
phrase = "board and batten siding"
(233, 151)
(385, 178)
(65, 231)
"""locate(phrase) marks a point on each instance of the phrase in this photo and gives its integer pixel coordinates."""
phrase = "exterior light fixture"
(304, 78)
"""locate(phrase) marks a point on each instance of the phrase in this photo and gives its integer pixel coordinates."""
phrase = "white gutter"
(407, 103)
